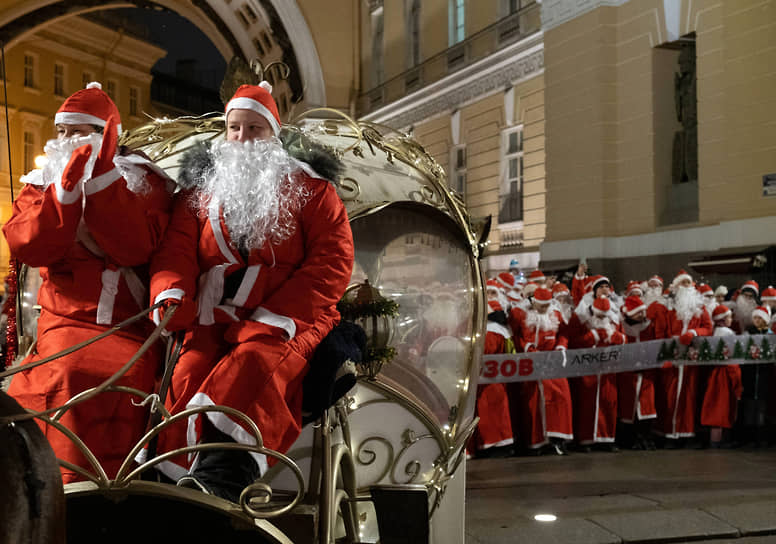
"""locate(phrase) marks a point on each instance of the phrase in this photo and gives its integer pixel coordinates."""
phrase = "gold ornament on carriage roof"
(366, 307)
(238, 72)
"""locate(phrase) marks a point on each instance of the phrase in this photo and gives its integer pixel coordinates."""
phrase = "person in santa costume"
(754, 426)
(595, 288)
(743, 305)
(595, 397)
(723, 387)
(768, 299)
(258, 253)
(677, 387)
(708, 297)
(636, 389)
(90, 220)
(545, 405)
(494, 430)
(561, 301)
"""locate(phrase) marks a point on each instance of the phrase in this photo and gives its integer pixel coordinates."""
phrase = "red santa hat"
(601, 306)
(762, 312)
(506, 280)
(598, 281)
(537, 276)
(560, 289)
(720, 312)
(529, 289)
(256, 98)
(542, 296)
(655, 278)
(495, 305)
(751, 285)
(634, 288)
(769, 293)
(681, 276)
(705, 290)
(633, 305)
(89, 106)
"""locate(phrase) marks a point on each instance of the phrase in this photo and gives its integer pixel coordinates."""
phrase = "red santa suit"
(91, 236)
(545, 405)
(723, 386)
(595, 397)
(261, 312)
(636, 390)
(495, 426)
(677, 391)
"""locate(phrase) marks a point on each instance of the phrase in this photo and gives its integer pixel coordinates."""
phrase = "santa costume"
(595, 397)
(636, 389)
(723, 386)
(257, 279)
(90, 220)
(545, 405)
(495, 425)
(677, 389)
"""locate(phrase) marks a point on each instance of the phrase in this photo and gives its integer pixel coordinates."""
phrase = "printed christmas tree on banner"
(704, 351)
(752, 350)
(738, 351)
(721, 353)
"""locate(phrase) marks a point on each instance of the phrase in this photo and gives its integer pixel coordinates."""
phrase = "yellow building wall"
(608, 98)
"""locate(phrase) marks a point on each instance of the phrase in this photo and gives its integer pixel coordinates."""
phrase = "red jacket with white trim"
(91, 248)
(286, 288)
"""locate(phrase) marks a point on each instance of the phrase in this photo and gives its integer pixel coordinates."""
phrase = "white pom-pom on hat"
(266, 86)
(94, 85)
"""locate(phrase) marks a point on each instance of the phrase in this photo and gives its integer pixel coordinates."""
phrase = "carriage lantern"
(366, 307)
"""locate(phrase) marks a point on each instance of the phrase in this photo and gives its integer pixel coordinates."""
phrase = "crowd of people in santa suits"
(673, 406)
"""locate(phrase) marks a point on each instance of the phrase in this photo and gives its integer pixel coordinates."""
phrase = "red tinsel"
(9, 309)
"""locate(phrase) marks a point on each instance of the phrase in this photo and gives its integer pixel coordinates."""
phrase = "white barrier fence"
(704, 350)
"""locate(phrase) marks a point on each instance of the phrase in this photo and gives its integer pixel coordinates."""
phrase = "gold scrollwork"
(372, 455)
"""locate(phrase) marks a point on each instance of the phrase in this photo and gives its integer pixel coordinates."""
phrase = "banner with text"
(706, 350)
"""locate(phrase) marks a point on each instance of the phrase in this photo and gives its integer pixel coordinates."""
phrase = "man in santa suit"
(743, 305)
(677, 388)
(258, 253)
(633, 289)
(768, 299)
(90, 219)
(561, 301)
(494, 429)
(723, 386)
(538, 277)
(596, 287)
(636, 390)
(546, 415)
(708, 297)
(595, 397)
(757, 379)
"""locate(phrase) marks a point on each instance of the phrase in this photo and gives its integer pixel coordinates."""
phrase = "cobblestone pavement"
(631, 496)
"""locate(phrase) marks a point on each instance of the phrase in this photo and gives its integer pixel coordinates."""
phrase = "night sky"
(182, 40)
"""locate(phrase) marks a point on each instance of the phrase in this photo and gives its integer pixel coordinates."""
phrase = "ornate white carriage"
(386, 462)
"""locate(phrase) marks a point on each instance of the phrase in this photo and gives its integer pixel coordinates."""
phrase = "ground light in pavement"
(545, 517)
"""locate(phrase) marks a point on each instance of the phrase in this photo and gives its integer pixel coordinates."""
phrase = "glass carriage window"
(59, 79)
(133, 100)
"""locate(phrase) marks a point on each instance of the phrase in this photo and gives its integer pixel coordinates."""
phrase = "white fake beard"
(251, 183)
(652, 294)
(547, 321)
(687, 302)
(58, 153)
(602, 322)
(743, 311)
(442, 316)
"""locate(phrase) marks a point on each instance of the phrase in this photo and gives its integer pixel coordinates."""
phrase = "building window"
(29, 151)
(29, 71)
(258, 46)
(458, 170)
(413, 33)
(59, 79)
(267, 41)
(511, 192)
(134, 97)
(456, 22)
(110, 89)
(378, 73)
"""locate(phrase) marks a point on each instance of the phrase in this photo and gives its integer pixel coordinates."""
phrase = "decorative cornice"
(557, 12)
(497, 71)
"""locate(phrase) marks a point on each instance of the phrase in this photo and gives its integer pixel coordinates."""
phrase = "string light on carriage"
(40, 161)
(545, 517)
